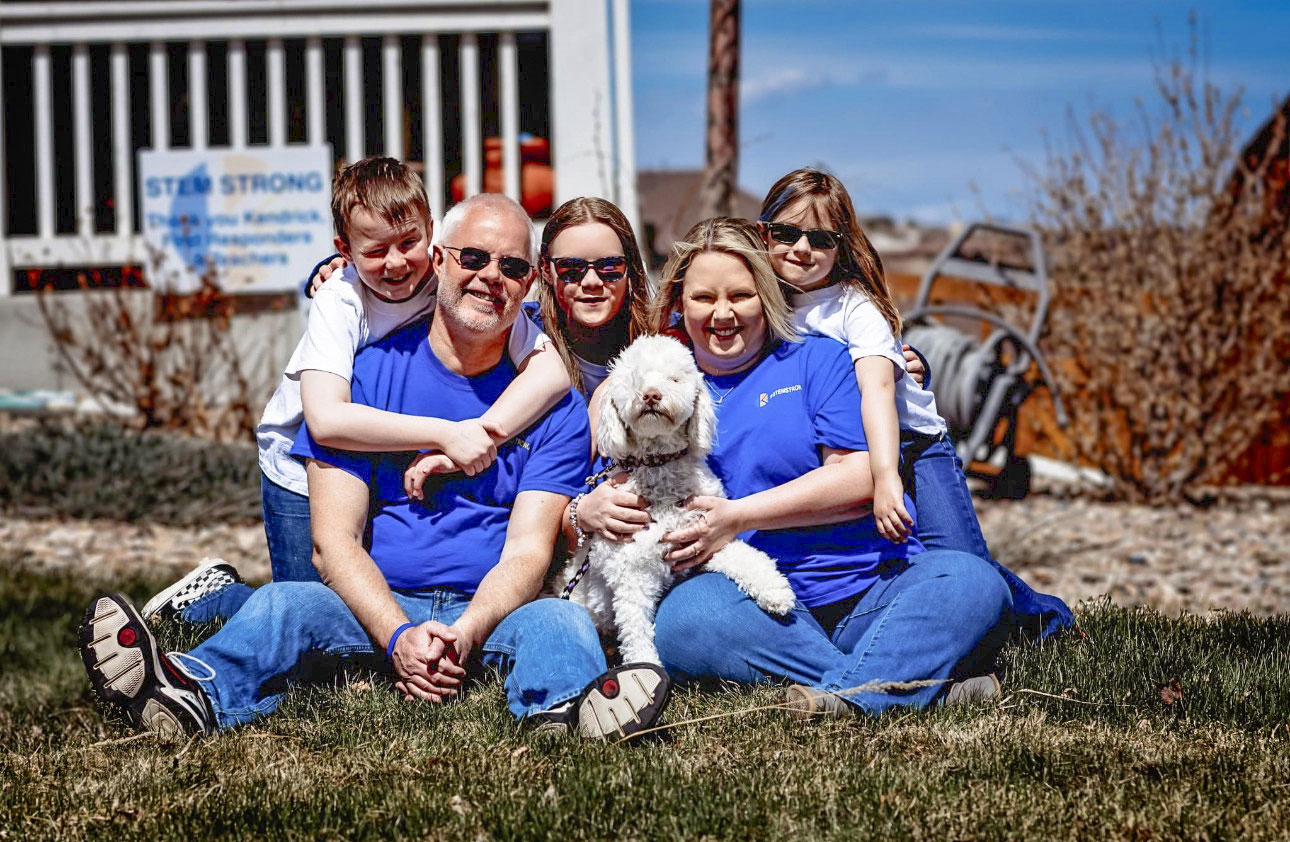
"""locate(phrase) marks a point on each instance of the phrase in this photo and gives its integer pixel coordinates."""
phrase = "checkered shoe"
(211, 575)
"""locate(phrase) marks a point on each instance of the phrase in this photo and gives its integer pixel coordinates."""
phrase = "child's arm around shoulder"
(324, 364)
(541, 383)
(334, 421)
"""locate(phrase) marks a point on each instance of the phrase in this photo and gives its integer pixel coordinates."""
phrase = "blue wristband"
(394, 638)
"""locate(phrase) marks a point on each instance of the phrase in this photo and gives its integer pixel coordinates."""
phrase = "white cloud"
(795, 80)
(988, 32)
(775, 82)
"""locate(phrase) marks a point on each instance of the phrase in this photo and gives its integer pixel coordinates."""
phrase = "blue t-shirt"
(455, 535)
(771, 422)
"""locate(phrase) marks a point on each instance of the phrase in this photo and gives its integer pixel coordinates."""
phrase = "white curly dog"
(657, 422)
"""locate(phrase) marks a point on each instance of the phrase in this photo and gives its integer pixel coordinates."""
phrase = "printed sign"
(252, 220)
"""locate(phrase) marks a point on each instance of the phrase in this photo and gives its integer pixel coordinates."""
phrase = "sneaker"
(156, 692)
(805, 702)
(211, 575)
(559, 721)
(969, 691)
(620, 703)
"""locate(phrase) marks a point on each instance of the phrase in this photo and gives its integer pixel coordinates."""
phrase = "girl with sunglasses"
(818, 249)
(593, 299)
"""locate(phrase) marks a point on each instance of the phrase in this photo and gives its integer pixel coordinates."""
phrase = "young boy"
(383, 230)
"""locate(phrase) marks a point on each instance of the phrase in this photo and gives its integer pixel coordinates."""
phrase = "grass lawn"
(1084, 746)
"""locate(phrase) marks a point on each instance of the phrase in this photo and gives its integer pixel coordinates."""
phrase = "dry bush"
(168, 357)
(1168, 253)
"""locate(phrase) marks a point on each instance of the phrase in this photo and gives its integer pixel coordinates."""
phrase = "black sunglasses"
(819, 238)
(515, 268)
(572, 270)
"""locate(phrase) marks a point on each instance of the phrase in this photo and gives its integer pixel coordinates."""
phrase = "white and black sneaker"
(156, 692)
(621, 703)
(211, 575)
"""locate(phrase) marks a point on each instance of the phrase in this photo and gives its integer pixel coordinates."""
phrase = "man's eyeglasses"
(515, 268)
(819, 238)
(571, 270)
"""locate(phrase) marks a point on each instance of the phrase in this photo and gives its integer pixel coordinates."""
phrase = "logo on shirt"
(765, 398)
(519, 442)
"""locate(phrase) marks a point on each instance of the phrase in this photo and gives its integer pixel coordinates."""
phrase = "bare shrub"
(1169, 253)
(168, 357)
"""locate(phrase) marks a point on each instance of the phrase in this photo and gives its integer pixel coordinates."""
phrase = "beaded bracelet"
(573, 519)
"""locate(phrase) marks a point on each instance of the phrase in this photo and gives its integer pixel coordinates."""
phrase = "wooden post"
(721, 171)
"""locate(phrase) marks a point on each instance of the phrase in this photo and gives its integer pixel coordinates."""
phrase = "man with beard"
(434, 589)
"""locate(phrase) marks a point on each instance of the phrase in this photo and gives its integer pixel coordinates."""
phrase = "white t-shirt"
(345, 317)
(844, 313)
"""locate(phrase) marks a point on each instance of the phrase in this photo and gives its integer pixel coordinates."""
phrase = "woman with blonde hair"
(901, 622)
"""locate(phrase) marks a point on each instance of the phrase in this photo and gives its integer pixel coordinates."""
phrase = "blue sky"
(911, 103)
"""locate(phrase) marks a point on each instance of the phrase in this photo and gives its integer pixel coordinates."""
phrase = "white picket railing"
(589, 82)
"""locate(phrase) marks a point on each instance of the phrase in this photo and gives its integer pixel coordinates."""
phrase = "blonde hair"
(633, 316)
(857, 264)
(384, 187)
(738, 238)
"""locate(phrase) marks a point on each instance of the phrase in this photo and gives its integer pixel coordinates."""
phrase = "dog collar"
(630, 463)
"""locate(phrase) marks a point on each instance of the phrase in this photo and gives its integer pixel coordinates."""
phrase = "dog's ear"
(701, 429)
(612, 436)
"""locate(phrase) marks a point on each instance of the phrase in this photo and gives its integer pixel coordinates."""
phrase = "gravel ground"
(1232, 556)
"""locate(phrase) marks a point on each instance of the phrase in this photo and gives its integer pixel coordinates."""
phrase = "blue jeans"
(547, 651)
(939, 615)
(947, 521)
(291, 551)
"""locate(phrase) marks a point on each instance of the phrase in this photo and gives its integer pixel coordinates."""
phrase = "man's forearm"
(338, 504)
(517, 576)
(507, 586)
(350, 572)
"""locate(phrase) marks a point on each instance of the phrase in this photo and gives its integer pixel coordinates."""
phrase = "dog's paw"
(639, 654)
(777, 600)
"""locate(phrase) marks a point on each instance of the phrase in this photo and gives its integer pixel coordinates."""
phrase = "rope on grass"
(141, 735)
(868, 687)
(1075, 701)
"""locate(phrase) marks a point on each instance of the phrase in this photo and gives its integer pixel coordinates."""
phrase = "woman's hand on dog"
(718, 524)
(611, 512)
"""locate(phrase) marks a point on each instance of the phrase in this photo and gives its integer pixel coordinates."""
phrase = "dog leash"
(627, 464)
(582, 540)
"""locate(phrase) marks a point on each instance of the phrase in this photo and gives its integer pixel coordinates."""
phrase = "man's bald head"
(484, 301)
(493, 204)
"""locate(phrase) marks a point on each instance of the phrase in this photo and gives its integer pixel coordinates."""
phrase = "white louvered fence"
(88, 84)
